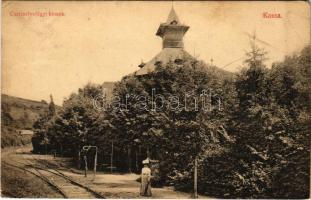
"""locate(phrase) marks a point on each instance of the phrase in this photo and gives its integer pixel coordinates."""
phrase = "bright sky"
(103, 41)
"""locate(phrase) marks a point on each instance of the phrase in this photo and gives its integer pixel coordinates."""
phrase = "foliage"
(255, 146)
(270, 125)
(270, 139)
(172, 136)
(68, 130)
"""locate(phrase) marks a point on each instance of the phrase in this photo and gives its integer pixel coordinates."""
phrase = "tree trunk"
(111, 158)
(129, 159)
(148, 152)
(136, 160)
(79, 159)
(61, 150)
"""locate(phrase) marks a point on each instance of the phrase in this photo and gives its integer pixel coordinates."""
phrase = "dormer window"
(158, 63)
(141, 65)
(174, 22)
(178, 61)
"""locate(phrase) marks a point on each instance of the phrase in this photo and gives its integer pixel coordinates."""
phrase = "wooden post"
(195, 182)
(111, 158)
(95, 162)
(85, 165)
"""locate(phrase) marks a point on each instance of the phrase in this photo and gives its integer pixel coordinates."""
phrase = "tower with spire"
(172, 33)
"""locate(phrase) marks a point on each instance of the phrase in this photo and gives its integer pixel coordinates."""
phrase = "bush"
(11, 137)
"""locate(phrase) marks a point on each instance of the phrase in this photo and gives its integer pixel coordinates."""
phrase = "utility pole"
(45, 144)
(195, 182)
(95, 161)
(195, 172)
(85, 165)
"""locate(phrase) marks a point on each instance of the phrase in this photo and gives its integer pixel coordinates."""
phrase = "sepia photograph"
(155, 99)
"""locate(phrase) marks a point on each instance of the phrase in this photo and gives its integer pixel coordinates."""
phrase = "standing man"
(145, 189)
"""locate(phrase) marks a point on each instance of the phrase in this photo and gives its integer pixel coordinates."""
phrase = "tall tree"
(163, 110)
(267, 128)
(251, 124)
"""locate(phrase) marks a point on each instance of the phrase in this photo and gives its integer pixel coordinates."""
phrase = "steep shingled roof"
(164, 57)
(172, 17)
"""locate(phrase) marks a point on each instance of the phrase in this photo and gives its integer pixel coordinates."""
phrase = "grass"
(20, 184)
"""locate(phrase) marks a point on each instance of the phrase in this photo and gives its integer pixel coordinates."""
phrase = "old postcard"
(155, 99)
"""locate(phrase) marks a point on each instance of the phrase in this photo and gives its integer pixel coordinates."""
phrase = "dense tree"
(250, 135)
(267, 125)
(290, 84)
(40, 140)
(163, 114)
(71, 128)
(68, 130)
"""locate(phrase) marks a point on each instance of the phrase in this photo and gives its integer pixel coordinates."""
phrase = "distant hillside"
(18, 114)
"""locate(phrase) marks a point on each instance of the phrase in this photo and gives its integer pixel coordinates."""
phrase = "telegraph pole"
(195, 174)
(95, 162)
(195, 183)
(85, 165)
(45, 144)
(195, 170)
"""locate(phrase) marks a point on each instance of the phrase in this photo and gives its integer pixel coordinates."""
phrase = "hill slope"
(18, 114)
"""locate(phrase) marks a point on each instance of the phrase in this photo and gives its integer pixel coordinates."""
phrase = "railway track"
(38, 175)
(63, 184)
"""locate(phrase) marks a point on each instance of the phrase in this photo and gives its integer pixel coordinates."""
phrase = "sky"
(104, 41)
